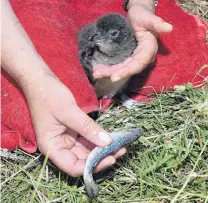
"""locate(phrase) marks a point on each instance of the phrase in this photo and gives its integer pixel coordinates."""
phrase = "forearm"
(18, 55)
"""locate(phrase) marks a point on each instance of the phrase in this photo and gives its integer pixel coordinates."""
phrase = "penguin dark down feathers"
(107, 41)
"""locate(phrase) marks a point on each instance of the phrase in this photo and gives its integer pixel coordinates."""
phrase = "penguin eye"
(114, 33)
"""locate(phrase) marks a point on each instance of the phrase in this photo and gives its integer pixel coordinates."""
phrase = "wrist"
(25, 67)
(38, 85)
(34, 76)
(148, 4)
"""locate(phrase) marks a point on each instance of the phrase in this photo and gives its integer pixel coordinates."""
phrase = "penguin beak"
(97, 38)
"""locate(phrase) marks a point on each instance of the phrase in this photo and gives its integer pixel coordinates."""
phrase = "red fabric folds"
(53, 26)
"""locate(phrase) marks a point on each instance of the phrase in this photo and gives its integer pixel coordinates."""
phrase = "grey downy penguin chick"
(107, 41)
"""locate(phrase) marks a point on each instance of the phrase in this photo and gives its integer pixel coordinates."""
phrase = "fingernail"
(122, 152)
(111, 161)
(168, 26)
(105, 137)
(115, 79)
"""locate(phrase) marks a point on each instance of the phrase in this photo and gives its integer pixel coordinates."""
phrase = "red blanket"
(53, 26)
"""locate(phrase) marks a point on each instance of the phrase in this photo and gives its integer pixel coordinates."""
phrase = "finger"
(105, 163)
(83, 147)
(120, 152)
(105, 71)
(160, 26)
(81, 152)
(101, 71)
(143, 19)
(81, 123)
(110, 160)
(68, 162)
(142, 56)
(139, 62)
(130, 69)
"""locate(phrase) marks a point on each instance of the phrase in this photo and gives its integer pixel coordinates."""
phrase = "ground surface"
(196, 7)
(168, 163)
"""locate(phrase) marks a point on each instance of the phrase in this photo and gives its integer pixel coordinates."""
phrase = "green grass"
(168, 163)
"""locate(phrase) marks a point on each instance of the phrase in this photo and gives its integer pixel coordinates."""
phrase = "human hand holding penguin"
(146, 26)
(108, 41)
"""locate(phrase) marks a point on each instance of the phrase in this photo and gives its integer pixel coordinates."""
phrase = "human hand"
(146, 26)
(57, 121)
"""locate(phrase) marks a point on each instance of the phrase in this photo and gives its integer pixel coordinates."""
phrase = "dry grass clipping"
(196, 7)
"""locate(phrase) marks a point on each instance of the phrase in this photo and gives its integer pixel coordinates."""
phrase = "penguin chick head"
(112, 34)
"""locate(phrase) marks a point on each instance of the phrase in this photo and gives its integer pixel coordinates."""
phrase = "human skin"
(57, 120)
(146, 26)
(57, 130)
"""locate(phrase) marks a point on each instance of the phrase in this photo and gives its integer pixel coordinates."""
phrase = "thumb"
(160, 26)
(81, 123)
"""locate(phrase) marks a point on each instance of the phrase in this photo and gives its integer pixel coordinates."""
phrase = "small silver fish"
(120, 139)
